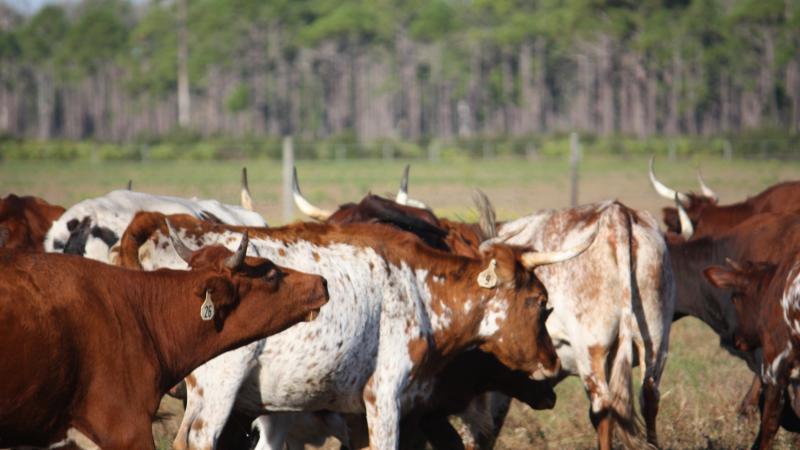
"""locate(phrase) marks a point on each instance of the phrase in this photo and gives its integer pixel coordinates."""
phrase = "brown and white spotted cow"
(24, 221)
(612, 301)
(399, 311)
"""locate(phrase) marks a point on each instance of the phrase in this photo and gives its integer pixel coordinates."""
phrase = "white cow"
(398, 311)
(91, 227)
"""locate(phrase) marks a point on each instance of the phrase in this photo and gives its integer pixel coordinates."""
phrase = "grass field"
(702, 384)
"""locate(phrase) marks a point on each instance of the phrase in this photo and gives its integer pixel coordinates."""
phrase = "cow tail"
(629, 424)
(143, 225)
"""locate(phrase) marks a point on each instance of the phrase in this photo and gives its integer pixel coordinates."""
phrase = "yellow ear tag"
(207, 308)
(488, 278)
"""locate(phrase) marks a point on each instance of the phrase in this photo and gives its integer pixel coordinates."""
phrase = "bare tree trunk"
(44, 104)
(605, 88)
(184, 106)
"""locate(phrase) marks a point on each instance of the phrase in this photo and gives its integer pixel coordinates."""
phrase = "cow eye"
(273, 275)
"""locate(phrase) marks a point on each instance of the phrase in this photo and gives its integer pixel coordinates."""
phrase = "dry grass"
(702, 384)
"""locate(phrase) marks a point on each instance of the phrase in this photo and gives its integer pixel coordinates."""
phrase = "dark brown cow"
(24, 221)
(766, 298)
(87, 350)
(709, 218)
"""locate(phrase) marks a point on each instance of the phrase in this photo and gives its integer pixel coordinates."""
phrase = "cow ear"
(218, 295)
(724, 277)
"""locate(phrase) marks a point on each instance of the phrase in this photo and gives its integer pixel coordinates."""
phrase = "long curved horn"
(402, 194)
(705, 189)
(532, 260)
(488, 218)
(180, 248)
(236, 259)
(662, 189)
(247, 201)
(402, 197)
(687, 229)
(304, 205)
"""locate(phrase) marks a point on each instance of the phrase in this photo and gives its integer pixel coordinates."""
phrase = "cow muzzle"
(543, 373)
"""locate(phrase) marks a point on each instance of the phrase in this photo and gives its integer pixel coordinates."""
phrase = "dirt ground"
(702, 384)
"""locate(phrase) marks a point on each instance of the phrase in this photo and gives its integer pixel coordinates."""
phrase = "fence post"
(727, 150)
(388, 152)
(433, 151)
(574, 161)
(288, 169)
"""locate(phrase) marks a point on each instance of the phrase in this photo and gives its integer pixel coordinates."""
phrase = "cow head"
(513, 325)
(254, 285)
(748, 282)
(24, 221)
(694, 204)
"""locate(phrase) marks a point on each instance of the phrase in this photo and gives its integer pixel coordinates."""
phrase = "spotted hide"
(91, 227)
(612, 305)
(399, 311)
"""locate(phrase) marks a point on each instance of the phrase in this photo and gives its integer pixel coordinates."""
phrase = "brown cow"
(89, 349)
(766, 298)
(24, 221)
(708, 218)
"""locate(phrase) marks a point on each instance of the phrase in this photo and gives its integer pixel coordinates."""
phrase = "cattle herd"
(377, 322)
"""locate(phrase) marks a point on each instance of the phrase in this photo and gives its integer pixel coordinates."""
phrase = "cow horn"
(236, 259)
(402, 197)
(532, 260)
(687, 229)
(247, 201)
(180, 248)
(304, 205)
(488, 218)
(662, 189)
(705, 189)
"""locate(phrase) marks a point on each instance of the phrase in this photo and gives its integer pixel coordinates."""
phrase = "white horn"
(247, 201)
(534, 259)
(304, 205)
(402, 194)
(662, 189)
(687, 229)
(402, 197)
(236, 259)
(705, 189)
(180, 248)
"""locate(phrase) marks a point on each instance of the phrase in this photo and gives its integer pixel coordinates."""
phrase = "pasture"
(702, 384)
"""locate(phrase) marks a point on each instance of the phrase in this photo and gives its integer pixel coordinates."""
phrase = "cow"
(89, 349)
(766, 298)
(406, 214)
(768, 237)
(707, 217)
(399, 311)
(605, 300)
(92, 227)
(24, 221)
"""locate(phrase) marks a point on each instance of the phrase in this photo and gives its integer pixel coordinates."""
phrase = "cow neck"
(168, 308)
(724, 215)
(694, 294)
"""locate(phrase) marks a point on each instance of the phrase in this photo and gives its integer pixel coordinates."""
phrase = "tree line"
(118, 71)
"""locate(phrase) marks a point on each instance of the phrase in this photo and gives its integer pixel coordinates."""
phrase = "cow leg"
(749, 404)
(650, 400)
(381, 399)
(440, 433)
(597, 389)
(211, 392)
(770, 416)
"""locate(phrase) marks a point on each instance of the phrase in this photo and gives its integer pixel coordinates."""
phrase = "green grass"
(702, 384)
